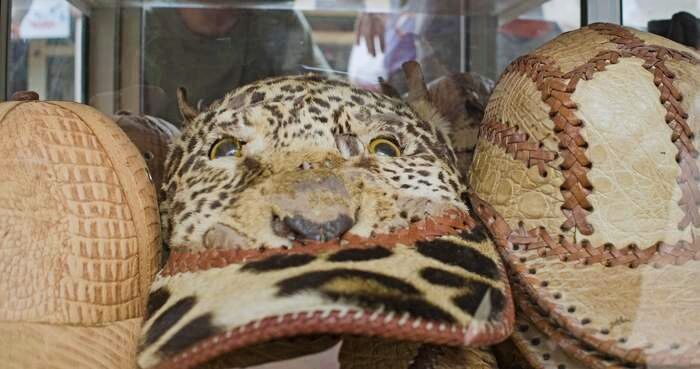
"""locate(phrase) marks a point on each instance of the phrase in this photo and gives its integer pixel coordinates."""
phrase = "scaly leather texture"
(586, 173)
(80, 237)
(47, 346)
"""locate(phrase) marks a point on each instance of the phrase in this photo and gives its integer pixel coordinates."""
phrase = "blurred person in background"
(425, 31)
(213, 48)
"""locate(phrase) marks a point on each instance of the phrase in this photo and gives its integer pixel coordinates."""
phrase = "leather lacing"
(518, 144)
(556, 89)
(527, 278)
(654, 57)
(449, 223)
(514, 244)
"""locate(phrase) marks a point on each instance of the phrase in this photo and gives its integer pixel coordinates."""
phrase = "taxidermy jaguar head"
(305, 158)
(302, 205)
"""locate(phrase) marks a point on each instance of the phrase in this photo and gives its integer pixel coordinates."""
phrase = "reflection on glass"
(46, 49)
(533, 28)
(212, 50)
(673, 19)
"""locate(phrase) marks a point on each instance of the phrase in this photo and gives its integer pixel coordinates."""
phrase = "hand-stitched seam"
(518, 144)
(564, 338)
(556, 93)
(376, 322)
(449, 223)
(607, 254)
(654, 57)
(582, 253)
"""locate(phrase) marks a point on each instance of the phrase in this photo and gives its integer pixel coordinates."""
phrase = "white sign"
(46, 19)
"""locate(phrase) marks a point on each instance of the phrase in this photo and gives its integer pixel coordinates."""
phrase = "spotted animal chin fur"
(309, 159)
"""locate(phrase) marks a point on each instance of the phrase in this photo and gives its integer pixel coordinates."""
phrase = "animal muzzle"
(313, 205)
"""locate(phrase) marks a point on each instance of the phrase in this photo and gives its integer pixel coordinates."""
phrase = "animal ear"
(461, 94)
(461, 99)
(388, 89)
(186, 110)
(419, 99)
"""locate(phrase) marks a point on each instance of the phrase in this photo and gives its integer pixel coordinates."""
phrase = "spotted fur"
(288, 121)
(316, 131)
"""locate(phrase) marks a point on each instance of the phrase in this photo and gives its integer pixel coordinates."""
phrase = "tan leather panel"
(539, 351)
(570, 52)
(564, 346)
(629, 316)
(625, 119)
(523, 109)
(633, 199)
(45, 346)
(6, 107)
(81, 240)
(517, 192)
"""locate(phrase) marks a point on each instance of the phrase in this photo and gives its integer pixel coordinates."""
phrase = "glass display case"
(122, 56)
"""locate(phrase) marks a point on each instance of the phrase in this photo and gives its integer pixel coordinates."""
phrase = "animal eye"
(228, 146)
(384, 146)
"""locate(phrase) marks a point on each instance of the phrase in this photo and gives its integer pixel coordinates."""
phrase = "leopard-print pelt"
(309, 147)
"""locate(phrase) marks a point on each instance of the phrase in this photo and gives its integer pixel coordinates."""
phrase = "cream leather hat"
(79, 238)
(587, 173)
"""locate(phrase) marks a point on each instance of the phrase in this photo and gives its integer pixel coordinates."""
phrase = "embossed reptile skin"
(80, 238)
(624, 249)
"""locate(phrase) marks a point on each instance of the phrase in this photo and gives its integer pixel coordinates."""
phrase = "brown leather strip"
(571, 345)
(583, 253)
(654, 57)
(518, 144)
(449, 223)
(520, 272)
(556, 89)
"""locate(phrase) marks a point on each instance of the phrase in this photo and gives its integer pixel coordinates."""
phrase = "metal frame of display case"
(114, 41)
(5, 11)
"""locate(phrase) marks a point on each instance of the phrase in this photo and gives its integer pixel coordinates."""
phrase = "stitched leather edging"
(450, 223)
(563, 339)
(513, 253)
(348, 321)
(556, 93)
(518, 144)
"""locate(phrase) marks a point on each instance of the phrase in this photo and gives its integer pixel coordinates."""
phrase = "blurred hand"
(368, 27)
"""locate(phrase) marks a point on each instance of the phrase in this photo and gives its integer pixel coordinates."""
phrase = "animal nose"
(313, 205)
(305, 229)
